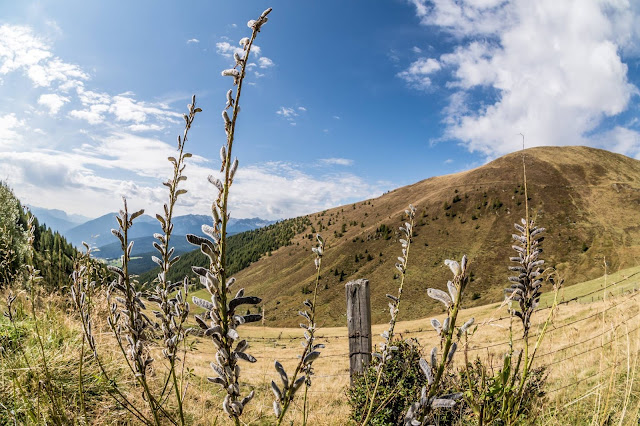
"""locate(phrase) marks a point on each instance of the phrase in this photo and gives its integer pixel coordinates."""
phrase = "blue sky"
(345, 100)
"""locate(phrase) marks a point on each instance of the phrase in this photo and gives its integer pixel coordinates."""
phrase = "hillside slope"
(588, 199)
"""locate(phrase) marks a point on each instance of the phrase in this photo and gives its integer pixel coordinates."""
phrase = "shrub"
(399, 386)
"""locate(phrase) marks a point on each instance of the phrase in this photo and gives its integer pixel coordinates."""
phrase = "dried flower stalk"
(173, 308)
(310, 353)
(220, 320)
(387, 348)
(449, 337)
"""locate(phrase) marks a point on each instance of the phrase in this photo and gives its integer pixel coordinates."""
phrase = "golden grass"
(571, 351)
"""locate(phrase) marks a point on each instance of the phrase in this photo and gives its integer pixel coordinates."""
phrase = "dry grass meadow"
(586, 356)
(589, 357)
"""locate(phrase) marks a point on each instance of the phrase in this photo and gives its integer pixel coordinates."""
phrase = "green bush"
(399, 387)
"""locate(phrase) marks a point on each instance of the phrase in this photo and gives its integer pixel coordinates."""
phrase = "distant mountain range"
(57, 220)
(97, 232)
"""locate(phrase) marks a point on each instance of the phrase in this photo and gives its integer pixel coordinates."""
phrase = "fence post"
(359, 325)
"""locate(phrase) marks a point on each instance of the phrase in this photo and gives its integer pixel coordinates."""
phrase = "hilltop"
(587, 199)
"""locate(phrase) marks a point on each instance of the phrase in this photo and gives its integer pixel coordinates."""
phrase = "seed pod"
(276, 391)
(440, 296)
(452, 351)
(426, 369)
(276, 408)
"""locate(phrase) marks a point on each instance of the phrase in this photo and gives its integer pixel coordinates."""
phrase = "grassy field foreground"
(591, 361)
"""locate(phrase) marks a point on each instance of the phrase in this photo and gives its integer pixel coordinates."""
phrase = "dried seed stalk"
(126, 319)
(173, 310)
(310, 353)
(449, 337)
(387, 348)
(220, 320)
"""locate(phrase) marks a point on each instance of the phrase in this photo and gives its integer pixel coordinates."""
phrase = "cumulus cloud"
(93, 115)
(277, 190)
(9, 125)
(53, 102)
(76, 181)
(193, 41)
(417, 75)
(22, 50)
(553, 70)
(265, 62)
(226, 49)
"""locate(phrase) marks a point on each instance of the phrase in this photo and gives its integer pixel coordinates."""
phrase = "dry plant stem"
(140, 374)
(115, 393)
(173, 330)
(394, 316)
(447, 344)
(225, 204)
(220, 311)
(288, 396)
(612, 376)
(34, 412)
(80, 384)
(598, 399)
(59, 415)
(630, 372)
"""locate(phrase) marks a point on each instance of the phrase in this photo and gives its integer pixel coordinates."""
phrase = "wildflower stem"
(448, 342)
(289, 392)
(394, 317)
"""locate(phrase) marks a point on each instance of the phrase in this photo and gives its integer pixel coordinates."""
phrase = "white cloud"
(335, 117)
(265, 62)
(290, 114)
(416, 49)
(286, 112)
(417, 73)
(146, 127)
(465, 18)
(336, 161)
(136, 167)
(52, 101)
(226, 49)
(125, 108)
(22, 50)
(93, 115)
(554, 71)
(193, 41)
(9, 124)
(277, 190)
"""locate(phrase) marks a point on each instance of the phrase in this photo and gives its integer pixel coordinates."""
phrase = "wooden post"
(359, 326)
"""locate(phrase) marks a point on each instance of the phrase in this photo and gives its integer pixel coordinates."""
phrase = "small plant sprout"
(284, 396)
(172, 311)
(387, 348)
(220, 319)
(431, 396)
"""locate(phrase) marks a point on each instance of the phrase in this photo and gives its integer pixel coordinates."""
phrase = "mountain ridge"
(588, 199)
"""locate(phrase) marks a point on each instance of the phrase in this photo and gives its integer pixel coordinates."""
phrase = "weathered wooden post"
(359, 326)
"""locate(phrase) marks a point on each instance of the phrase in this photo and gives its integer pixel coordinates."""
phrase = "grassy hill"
(588, 199)
(243, 249)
